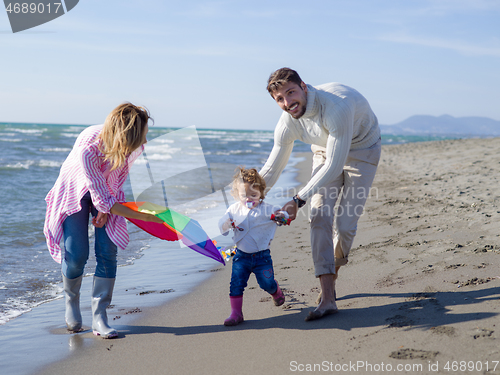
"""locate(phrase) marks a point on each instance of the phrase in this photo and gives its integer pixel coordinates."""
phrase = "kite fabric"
(175, 227)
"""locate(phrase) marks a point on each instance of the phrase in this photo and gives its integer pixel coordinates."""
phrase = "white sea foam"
(11, 139)
(204, 133)
(78, 129)
(70, 135)
(21, 165)
(232, 152)
(163, 140)
(10, 314)
(161, 149)
(55, 149)
(14, 307)
(49, 163)
(28, 131)
(158, 157)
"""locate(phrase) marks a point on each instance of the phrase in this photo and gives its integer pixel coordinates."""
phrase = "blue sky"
(206, 63)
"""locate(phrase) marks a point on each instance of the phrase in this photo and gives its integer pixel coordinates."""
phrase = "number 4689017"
(33, 8)
(471, 366)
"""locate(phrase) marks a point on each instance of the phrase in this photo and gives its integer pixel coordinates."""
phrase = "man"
(345, 137)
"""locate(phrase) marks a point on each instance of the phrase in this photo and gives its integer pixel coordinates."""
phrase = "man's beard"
(298, 114)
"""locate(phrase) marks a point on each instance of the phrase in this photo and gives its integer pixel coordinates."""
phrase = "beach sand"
(420, 294)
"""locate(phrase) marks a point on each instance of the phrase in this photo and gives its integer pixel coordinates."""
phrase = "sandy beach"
(420, 294)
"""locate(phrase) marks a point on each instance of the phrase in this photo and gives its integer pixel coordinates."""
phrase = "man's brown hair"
(281, 77)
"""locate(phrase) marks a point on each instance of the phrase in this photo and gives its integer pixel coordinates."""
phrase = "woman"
(91, 181)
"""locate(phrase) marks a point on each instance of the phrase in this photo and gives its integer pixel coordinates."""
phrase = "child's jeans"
(260, 264)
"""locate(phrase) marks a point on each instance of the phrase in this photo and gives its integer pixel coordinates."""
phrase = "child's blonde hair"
(123, 133)
(250, 176)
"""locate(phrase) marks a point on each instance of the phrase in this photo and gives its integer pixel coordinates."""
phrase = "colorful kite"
(175, 227)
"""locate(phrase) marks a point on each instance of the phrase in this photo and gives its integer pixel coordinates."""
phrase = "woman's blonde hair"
(123, 132)
(250, 176)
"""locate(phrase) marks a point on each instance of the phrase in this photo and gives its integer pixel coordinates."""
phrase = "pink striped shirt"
(84, 171)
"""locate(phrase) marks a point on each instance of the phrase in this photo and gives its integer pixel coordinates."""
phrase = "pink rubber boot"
(236, 316)
(279, 298)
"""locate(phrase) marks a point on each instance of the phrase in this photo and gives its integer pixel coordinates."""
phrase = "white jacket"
(255, 229)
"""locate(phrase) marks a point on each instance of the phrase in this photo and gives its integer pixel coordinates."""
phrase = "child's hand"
(227, 226)
(281, 218)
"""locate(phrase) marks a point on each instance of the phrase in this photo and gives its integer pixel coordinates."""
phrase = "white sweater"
(257, 228)
(337, 118)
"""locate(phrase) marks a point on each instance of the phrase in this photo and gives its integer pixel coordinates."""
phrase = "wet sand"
(420, 294)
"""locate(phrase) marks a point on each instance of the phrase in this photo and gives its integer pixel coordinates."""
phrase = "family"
(334, 119)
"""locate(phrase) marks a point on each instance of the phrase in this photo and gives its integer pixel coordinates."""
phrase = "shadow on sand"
(417, 311)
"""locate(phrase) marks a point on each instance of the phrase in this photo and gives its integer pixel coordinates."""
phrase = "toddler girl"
(250, 218)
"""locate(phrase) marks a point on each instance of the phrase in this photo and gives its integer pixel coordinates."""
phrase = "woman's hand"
(150, 218)
(121, 210)
(100, 220)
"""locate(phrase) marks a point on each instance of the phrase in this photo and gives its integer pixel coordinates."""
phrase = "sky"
(206, 63)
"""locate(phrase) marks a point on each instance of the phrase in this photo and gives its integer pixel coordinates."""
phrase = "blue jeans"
(260, 264)
(76, 244)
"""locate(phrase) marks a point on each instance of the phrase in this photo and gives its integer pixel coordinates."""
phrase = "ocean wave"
(248, 138)
(211, 136)
(161, 149)
(20, 165)
(49, 163)
(55, 149)
(157, 157)
(162, 140)
(14, 307)
(231, 152)
(11, 139)
(193, 153)
(211, 133)
(27, 164)
(28, 131)
(78, 129)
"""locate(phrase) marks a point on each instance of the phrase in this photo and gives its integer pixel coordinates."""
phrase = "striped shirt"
(84, 171)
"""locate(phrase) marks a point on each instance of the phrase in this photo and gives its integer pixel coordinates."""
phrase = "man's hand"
(100, 220)
(291, 208)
